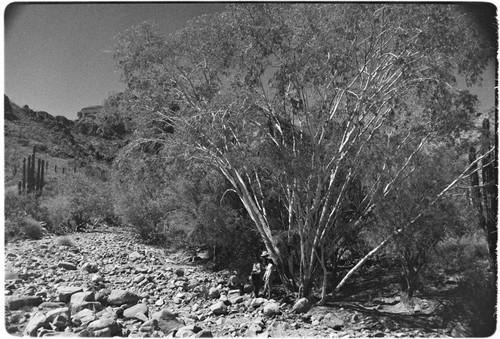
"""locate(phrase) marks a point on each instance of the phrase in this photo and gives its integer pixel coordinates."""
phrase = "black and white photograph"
(250, 169)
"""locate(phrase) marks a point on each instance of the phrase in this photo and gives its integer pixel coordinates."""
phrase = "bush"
(31, 228)
(458, 255)
(65, 241)
(18, 205)
(58, 212)
(87, 197)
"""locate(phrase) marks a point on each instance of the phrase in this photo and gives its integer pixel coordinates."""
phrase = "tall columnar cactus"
(32, 181)
(484, 189)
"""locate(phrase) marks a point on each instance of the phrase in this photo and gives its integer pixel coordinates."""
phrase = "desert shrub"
(87, 197)
(58, 212)
(148, 199)
(231, 238)
(456, 255)
(17, 205)
(31, 228)
(65, 241)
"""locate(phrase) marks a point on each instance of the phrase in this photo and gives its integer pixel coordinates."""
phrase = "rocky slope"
(103, 283)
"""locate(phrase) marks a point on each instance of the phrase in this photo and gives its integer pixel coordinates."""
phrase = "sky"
(57, 57)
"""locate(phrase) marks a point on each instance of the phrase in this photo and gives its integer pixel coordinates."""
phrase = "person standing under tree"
(256, 278)
(268, 274)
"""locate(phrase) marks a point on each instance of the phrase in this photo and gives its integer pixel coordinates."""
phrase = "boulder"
(67, 265)
(65, 292)
(80, 297)
(301, 306)
(120, 297)
(333, 322)
(38, 320)
(204, 334)
(83, 317)
(271, 309)
(219, 308)
(103, 327)
(16, 303)
(187, 331)
(214, 293)
(167, 321)
(132, 312)
(91, 305)
(90, 267)
(257, 302)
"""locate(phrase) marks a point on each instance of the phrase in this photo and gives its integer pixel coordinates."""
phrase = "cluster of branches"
(328, 106)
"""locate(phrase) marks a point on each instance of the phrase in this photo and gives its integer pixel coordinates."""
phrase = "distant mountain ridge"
(59, 136)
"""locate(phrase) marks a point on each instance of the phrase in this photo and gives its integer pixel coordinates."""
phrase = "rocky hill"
(56, 138)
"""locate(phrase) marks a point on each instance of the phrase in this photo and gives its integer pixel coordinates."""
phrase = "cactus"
(32, 181)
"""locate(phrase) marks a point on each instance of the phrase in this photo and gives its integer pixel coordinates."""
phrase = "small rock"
(333, 322)
(214, 293)
(271, 309)
(67, 266)
(204, 334)
(90, 267)
(179, 272)
(135, 256)
(257, 302)
(149, 326)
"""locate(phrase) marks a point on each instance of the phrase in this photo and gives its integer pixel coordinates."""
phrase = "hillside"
(58, 140)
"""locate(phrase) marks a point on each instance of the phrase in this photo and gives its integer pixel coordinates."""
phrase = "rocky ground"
(107, 284)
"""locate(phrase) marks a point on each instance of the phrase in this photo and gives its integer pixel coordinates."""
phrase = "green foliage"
(30, 228)
(79, 198)
(17, 205)
(58, 212)
(456, 255)
(303, 109)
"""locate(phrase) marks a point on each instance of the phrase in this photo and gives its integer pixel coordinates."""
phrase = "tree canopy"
(327, 107)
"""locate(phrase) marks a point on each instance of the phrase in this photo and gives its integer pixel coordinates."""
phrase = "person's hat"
(264, 254)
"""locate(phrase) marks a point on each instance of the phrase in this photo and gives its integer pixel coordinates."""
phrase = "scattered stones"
(113, 293)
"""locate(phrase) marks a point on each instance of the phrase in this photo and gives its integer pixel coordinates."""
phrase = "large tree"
(303, 101)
